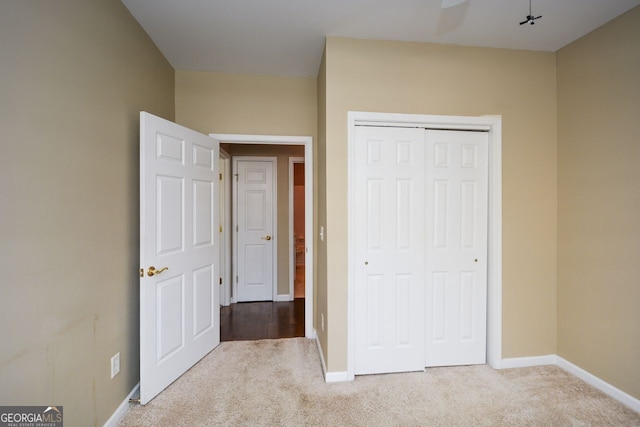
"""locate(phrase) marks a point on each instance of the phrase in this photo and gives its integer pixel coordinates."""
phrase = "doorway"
(306, 144)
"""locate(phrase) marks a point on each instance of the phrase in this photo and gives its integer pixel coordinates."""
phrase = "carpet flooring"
(280, 383)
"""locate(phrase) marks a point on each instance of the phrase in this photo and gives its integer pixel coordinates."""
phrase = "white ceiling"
(286, 37)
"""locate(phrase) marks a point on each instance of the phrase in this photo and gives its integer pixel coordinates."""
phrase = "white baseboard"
(324, 365)
(554, 359)
(336, 377)
(123, 408)
(283, 297)
(601, 385)
(329, 377)
(524, 362)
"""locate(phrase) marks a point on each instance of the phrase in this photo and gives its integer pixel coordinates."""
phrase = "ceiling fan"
(530, 18)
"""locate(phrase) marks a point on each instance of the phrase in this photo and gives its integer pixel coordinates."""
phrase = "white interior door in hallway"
(255, 228)
(420, 248)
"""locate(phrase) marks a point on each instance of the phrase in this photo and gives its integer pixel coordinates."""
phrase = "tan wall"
(73, 77)
(320, 287)
(599, 202)
(282, 153)
(422, 78)
(246, 104)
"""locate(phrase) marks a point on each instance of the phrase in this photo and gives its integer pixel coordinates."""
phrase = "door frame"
(292, 240)
(274, 225)
(309, 207)
(225, 237)
(492, 124)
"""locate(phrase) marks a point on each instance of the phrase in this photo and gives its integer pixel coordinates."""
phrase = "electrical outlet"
(322, 321)
(115, 365)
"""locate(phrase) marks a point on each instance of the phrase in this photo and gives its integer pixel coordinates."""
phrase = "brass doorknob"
(267, 238)
(152, 271)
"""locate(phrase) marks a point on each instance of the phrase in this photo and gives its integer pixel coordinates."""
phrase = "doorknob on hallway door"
(266, 238)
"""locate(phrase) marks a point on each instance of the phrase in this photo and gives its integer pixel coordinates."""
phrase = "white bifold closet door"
(389, 234)
(456, 255)
(420, 238)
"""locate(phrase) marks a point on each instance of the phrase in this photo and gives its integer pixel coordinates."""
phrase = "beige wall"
(422, 78)
(282, 153)
(73, 77)
(599, 202)
(246, 104)
(320, 287)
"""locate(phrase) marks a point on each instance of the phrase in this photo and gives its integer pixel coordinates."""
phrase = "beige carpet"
(279, 383)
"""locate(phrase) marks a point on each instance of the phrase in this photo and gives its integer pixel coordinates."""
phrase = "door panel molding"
(492, 124)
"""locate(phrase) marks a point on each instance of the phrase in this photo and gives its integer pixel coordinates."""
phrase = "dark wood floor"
(262, 320)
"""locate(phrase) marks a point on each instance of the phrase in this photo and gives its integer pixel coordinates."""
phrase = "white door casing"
(389, 262)
(456, 252)
(179, 307)
(225, 227)
(255, 228)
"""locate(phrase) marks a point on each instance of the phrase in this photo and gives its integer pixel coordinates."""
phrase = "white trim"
(225, 241)
(330, 377)
(525, 362)
(292, 240)
(494, 266)
(322, 362)
(123, 408)
(337, 377)
(282, 298)
(274, 221)
(309, 208)
(603, 386)
(553, 359)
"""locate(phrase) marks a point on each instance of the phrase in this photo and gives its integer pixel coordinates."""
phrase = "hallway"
(262, 320)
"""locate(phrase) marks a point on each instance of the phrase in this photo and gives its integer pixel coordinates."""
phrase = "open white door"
(179, 274)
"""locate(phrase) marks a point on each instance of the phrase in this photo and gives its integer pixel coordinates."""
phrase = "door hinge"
(220, 229)
(221, 281)
(236, 176)
(220, 177)
(236, 279)
(142, 272)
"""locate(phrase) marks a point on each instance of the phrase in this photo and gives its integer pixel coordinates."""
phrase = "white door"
(456, 257)
(389, 263)
(255, 229)
(179, 308)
